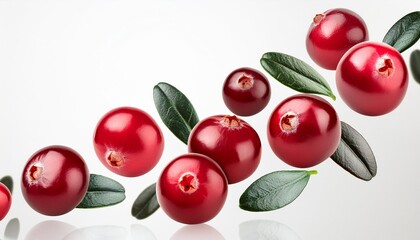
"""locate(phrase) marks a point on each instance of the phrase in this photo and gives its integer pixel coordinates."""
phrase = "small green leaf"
(295, 73)
(8, 182)
(405, 32)
(146, 203)
(102, 192)
(354, 154)
(415, 64)
(274, 190)
(175, 110)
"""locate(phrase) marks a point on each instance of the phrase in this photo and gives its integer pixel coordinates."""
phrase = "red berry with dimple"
(372, 78)
(304, 130)
(55, 180)
(5, 201)
(332, 33)
(246, 91)
(128, 141)
(192, 189)
(231, 142)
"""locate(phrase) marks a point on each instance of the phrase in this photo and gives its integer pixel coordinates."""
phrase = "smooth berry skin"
(372, 78)
(54, 180)
(231, 142)
(304, 130)
(246, 91)
(332, 33)
(192, 189)
(5, 201)
(128, 141)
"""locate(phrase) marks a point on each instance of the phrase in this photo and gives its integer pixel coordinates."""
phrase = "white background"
(63, 64)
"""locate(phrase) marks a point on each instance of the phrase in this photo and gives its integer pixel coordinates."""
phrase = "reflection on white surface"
(266, 230)
(98, 233)
(49, 230)
(197, 232)
(12, 230)
(141, 232)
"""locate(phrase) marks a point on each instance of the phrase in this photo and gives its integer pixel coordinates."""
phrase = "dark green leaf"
(8, 182)
(102, 192)
(405, 32)
(415, 65)
(274, 190)
(354, 154)
(175, 110)
(295, 73)
(146, 203)
(12, 230)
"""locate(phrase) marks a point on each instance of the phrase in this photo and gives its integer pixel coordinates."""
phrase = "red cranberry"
(55, 180)
(332, 33)
(5, 201)
(372, 78)
(229, 141)
(304, 130)
(192, 189)
(128, 141)
(246, 91)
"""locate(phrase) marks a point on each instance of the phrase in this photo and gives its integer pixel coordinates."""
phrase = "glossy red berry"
(304, 130)
(55, 180)
(372, 78)
(332, 33)
(246, 91)
(231, 142)
(192, 189)
(128, 141)
(5, 201)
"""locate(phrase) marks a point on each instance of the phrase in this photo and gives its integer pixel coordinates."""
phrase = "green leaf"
(415, 65)
(8, 182)
(146, 203)
(295, 73)
(405, 32)
(354, 154)
(274, 190)
(175, 110)
(102, 192)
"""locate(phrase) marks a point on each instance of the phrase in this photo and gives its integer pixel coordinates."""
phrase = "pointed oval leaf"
(102, 191)
(405, 32)
(295, 73)
(274, 190)
(354, 154)
(146, 203)
(415, 64)
(12, 230)
(175, 110)
(8, 182)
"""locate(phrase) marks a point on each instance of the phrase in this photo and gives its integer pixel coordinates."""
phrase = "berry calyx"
(385, 67)
(289, 122)
(318, 18)
(35, 172)
(188, 183)
(231, 121)
(115, 159)
(245, 81)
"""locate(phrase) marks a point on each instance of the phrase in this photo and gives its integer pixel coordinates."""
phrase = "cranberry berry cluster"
(303, 130)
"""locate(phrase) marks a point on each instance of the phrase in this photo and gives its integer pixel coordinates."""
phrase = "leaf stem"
(312, 172)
